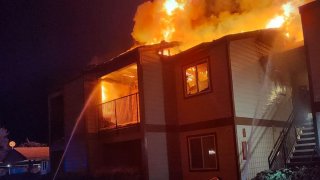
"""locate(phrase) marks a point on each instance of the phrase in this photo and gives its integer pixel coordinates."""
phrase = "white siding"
(152, 88)
(255, 94)
(155, 143)
(157, 156)
(247, 76)
(263, 139)
(255, 97)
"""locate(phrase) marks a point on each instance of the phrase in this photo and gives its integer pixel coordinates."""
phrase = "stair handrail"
(293, 139)
(279, 143)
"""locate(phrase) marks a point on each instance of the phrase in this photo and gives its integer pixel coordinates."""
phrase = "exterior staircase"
(297, 144)
(295, 147)
(304, 152)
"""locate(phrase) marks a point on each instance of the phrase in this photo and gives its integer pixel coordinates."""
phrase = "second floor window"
(196, 78)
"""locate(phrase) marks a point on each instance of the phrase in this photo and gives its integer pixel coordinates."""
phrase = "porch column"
(152, 116)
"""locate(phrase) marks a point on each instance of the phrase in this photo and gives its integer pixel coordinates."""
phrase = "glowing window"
(196, 79)
(202, 152)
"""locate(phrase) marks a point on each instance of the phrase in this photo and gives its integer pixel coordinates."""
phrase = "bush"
(118, 173)
(297, 173)
(281, 174)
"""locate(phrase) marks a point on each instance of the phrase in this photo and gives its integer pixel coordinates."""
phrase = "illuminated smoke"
(191, 22)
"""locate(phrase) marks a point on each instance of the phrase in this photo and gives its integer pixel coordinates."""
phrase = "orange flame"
(104, 92)
(287, 10)
(191, 22)
(276, 22)
(172, 5)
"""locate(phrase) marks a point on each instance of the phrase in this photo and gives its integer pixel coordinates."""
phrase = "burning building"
(226, 108)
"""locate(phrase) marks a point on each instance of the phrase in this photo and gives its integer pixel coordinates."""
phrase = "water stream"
(257, 115)
(272, 95)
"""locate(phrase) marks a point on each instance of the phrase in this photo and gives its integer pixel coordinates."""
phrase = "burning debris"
(194, 21)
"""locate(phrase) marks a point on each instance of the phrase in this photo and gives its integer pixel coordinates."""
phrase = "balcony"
(119, 113)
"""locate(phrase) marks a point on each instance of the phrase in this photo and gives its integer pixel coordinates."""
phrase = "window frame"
(200, 136)
(195, 64)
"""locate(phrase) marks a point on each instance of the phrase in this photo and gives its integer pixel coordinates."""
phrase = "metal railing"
(119, 112)
(284, 145)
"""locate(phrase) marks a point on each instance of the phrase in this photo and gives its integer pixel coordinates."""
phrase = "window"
(202, 152)
(196, 78)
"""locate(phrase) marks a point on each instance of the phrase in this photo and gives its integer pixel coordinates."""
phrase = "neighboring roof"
(13, 156)
(34, 153)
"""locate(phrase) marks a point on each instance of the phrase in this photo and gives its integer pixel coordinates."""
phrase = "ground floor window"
(202, 152)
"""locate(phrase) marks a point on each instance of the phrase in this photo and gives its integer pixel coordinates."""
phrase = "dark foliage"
(104, 174)
(26, 176)
(297, 173)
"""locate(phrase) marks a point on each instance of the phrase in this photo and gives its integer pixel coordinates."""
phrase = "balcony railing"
(119, 112)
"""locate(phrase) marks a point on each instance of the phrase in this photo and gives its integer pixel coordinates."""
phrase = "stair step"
(306, 127)
(306, 140)
(307, 130)
(307, 135)
(305, 146)
(304, 158)
(297, 164)
(303, 152)
(307, 123)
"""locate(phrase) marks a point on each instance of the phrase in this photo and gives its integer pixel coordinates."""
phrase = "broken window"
(196, 78)
(202, 152)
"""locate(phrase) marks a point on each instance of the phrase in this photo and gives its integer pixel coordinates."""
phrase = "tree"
(29, 143)
(3, 143)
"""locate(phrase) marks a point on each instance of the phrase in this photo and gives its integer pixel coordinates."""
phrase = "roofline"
(225, 39)
(133, 53)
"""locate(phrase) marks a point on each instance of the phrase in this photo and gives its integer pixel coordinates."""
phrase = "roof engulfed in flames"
(191, 22)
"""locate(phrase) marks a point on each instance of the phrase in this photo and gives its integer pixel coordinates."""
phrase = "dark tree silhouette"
(4, 147)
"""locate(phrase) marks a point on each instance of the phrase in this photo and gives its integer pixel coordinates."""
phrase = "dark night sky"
(43, 43)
